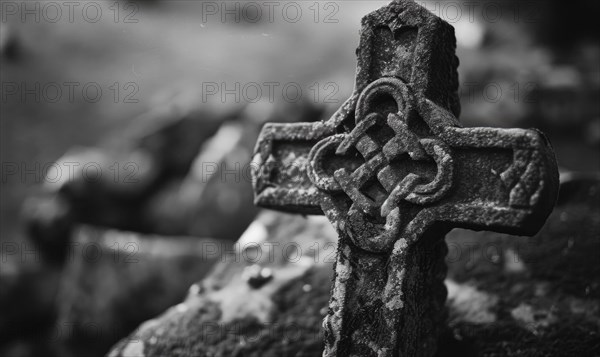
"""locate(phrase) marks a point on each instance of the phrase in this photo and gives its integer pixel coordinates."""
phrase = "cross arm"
(281, 163)
(279, 168)
(505, 180)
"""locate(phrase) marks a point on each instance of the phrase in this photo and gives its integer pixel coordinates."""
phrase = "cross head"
(394, 171)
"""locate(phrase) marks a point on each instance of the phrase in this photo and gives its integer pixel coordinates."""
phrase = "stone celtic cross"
(394, 171)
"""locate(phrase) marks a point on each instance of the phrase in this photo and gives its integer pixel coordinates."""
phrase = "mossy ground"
(544, 292)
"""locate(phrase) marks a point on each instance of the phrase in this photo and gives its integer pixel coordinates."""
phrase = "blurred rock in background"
(114, 279)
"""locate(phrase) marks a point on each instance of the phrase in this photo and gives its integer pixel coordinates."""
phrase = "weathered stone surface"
(548, 306)
(394, 171)
(227, 315)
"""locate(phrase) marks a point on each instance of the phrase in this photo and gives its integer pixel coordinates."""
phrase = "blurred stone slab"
(215, 197)
(583, 188)
(48, 222)
(217, 189)
(109, 186)
(506, 296)
(178, 170)
(174, 136)
(113, 280)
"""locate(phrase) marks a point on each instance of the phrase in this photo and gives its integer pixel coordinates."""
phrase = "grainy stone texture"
(507, 295)
(394, 172)
(227, 315)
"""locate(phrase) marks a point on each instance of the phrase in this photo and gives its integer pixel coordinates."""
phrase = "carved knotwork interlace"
(379, 158)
